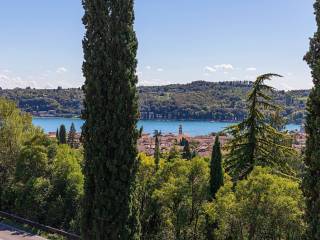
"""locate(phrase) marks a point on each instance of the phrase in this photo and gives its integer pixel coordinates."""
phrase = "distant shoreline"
(162, 120)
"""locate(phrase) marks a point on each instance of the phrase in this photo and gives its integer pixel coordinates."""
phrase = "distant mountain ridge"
(199, 100)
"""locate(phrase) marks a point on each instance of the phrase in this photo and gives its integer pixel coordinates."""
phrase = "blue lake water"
(193, 128)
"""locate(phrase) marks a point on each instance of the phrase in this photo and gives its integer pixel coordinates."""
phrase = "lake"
(193, 128)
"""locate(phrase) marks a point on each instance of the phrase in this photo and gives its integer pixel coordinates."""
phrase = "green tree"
(57, 135)
(186, 151)
(33, 159)
(216, 180)
(277, 121)
(252, 140)
(62, 134)
(110, 114)
(15, 128)
(72, 142)
(264, 206)
(147, 182)
(181, 193)
(157, 150)
(311, 180)
(67, 189)
(216, 169)
(174, 153)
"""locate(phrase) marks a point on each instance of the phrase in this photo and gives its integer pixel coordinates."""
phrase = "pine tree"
(311, 180)
(252, 141)
(72, 137)
(186, 151)
(62, 134)
(157, 150)
(110, 113)
(216, 169)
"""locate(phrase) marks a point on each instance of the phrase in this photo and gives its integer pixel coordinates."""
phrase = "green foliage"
(216, 169)
(67, 188)
(181, 194)
(174, 153)
(147, 176)
(57, 135)
(157, 150)
(265, 206)
(62, 134)
(187, 151)
(43, 182)
(311, 180)
(15, 129)
(110, 114)
(33, 160)
(72, 137)
(252, 142)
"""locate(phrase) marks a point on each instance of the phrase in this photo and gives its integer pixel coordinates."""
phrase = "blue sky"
(179, 41)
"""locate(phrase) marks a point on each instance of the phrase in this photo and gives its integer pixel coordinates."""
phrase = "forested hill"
(200, 100)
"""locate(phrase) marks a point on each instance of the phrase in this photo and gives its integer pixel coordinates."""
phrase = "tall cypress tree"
(57, 135)
(186, 151)
(216, 181)
(72, 136)
(311, 180)
(216, 169)
(62, 134)
(110, 114)
(157, 151)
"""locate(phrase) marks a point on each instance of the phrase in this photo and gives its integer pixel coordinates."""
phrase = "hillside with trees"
(200, 100)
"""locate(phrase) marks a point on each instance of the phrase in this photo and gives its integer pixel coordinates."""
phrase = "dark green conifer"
(311, 180)
(252, 141)
(216, 181)
(72, 136)
(110, 113)
(62, 134)
(157, 150)
(57, 135)
(186, 151)
(216, 169)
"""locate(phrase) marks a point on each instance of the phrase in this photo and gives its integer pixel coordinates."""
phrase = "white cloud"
(209, 69)
(251, 69)
(61, 70)
(148, 67)
(160, 70)
(224, 66)
(9, 80)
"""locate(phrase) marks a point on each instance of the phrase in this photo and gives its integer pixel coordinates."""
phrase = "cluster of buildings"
(202, 145)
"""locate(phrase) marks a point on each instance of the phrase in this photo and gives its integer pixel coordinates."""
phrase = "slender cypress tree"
(216, 169)
(57, 135)
(311, 180)
(72, 136)
(186, 151)
(157, 151)
(62, 134)
(216, 181)
(110, 113)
